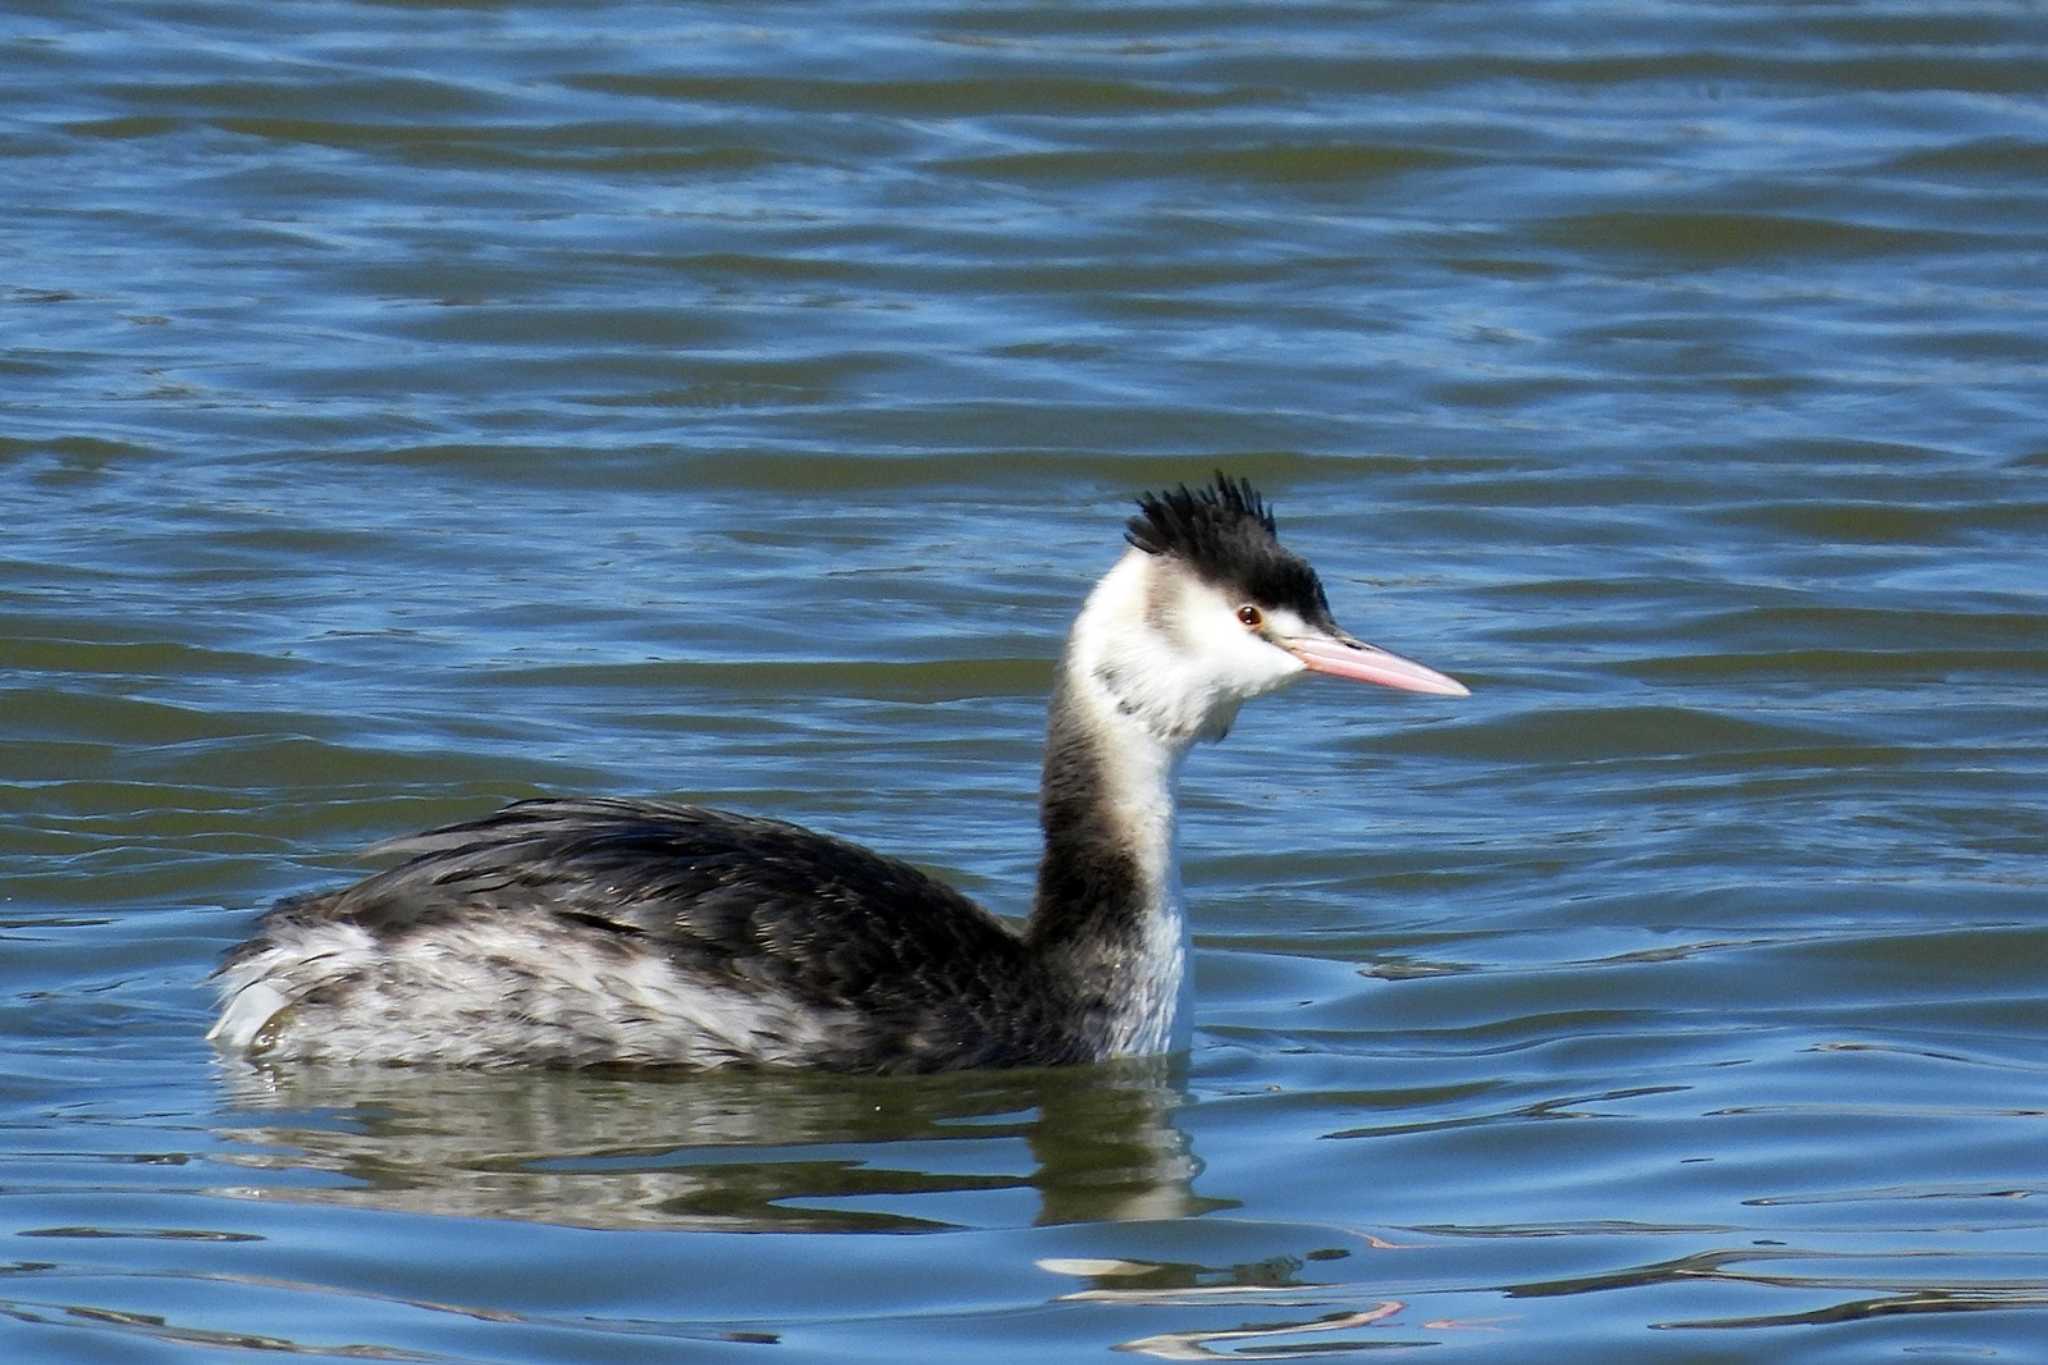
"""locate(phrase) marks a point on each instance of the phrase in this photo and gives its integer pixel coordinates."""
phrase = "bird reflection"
(741, 1151)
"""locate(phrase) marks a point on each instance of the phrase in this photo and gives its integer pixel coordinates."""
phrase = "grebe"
(590, 932)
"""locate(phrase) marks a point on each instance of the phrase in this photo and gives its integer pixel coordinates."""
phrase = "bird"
(578, 932)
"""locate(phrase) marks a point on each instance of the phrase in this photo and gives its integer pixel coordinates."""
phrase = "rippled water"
(405, 407)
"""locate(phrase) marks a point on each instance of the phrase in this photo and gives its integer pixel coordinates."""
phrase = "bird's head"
(1209, 610)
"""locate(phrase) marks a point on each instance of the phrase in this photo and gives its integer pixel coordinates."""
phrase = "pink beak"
(1343, 657)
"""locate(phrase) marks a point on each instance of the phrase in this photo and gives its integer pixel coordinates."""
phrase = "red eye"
(1250, 616)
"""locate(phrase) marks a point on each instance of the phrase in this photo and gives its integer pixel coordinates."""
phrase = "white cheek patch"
(1286, 622)
(1233, 654)
(1171, 652)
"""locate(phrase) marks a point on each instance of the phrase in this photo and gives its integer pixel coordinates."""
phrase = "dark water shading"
(407, 407)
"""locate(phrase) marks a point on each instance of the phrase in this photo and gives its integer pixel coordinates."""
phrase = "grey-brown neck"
(1108, 913)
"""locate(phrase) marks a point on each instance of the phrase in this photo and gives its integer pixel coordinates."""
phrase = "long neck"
(1108, 913)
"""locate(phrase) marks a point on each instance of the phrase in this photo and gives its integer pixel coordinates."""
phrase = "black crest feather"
(1224, 531)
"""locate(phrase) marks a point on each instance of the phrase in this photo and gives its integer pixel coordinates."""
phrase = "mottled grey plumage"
(644, 933)
(916, 976)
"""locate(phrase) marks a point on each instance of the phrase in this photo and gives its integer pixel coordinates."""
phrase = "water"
(404, 408)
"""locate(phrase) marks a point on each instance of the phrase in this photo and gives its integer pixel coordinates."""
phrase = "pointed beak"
(1341, 656)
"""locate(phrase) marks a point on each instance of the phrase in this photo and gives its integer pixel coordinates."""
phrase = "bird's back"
(582, 932)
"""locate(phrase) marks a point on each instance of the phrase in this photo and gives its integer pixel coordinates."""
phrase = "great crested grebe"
(593, 932)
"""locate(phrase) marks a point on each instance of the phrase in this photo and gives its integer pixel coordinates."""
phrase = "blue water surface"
(409, 407)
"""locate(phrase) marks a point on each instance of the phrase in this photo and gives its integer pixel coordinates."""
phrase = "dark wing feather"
(751, 903)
